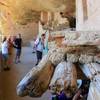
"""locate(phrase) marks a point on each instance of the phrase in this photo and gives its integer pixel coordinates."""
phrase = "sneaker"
(19, 61)
(33, 52)
(16, 62)
(6, 69)
(36, 64)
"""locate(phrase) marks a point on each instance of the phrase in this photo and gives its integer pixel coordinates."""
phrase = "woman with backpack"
(39, 45)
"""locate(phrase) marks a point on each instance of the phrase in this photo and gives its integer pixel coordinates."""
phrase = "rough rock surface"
(82, 38)
(72, 58)
(56, 55)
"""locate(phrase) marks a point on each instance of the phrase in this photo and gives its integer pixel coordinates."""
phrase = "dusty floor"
(10, 79)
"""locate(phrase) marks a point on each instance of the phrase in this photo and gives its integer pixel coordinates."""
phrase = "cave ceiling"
(24, 11)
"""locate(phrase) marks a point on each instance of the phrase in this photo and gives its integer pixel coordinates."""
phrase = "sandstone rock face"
(90, 20)
(82, 47)
(72, 58)
(56, 55)
(85, 59)
(82, 38)
(29, 10)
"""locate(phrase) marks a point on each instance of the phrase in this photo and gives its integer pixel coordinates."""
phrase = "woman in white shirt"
(4, 50)
(39, 44)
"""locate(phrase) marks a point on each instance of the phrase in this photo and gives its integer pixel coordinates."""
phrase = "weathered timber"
(92, 71)
(36, 82)
(61, 64)
(65, 77)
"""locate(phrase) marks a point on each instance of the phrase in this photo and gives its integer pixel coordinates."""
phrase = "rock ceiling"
(23, 11)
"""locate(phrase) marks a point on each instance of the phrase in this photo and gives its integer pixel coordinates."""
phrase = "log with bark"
(92, 71)
(64, 78)
(36, 82)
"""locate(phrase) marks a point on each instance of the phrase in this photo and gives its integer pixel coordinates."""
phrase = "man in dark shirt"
(18, 46)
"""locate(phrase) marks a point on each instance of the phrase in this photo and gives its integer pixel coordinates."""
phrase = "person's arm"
(14, 44)
(21, 42)
(7, 45)
(77, 95)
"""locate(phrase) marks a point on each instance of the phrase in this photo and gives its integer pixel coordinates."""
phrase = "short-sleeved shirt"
(18, 43)
(4, 47)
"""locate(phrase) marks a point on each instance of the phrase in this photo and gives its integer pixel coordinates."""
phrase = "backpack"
(38, 43)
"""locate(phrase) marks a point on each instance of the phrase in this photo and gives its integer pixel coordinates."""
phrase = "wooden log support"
(92, 71)
(94, 89)
(65, 77)
(60, 63)
(80, 73)
(73, 76)
(36, 82)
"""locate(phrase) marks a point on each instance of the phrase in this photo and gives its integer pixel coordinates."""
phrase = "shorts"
(5, 56)
(39, 55)
(18, 52)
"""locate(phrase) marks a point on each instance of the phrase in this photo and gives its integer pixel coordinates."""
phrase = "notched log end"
(21, 91)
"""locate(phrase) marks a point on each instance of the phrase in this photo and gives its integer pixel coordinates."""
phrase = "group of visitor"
(16, 42)
(6, 49)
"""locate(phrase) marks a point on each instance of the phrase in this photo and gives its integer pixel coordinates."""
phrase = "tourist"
(18, 46)
(39, 45)
(10, 49)
(10, 42)
(5, 56)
